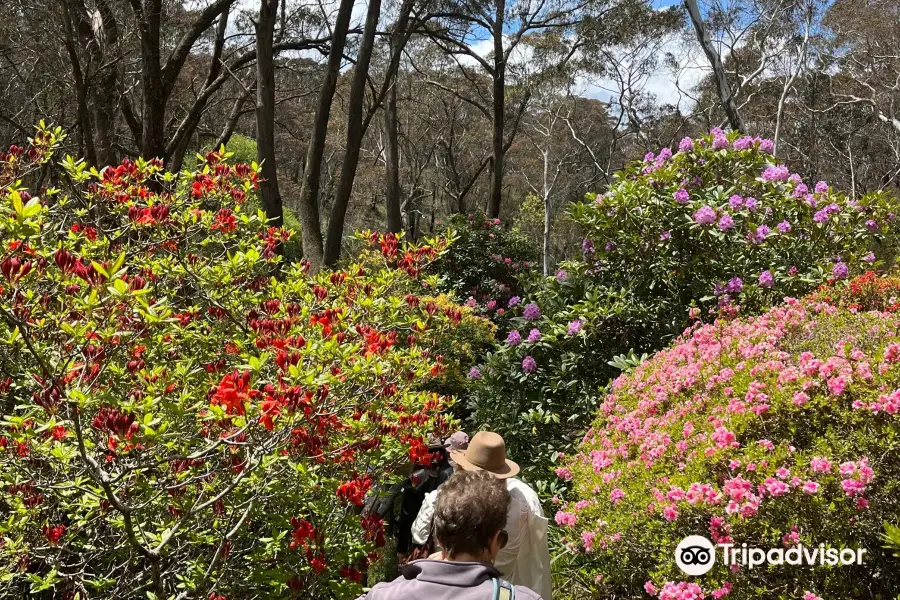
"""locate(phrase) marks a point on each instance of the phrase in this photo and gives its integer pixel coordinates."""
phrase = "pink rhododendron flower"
(566, 519)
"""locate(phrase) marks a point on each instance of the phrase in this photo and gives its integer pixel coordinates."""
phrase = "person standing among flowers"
(525, 559)
(469, 516)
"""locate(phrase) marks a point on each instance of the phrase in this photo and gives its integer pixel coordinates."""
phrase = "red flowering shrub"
(867, 292)
(774, 432)
(180, 417)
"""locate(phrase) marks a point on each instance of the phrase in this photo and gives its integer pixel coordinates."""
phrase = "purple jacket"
(443, 580)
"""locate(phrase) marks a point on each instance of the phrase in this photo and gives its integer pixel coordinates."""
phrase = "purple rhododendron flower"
(784, 227)
(744, 143)
(561, 275)
(766, 279)
(529, 365)
(800, 191)
(686, 145)
(795, 179)
(665, 235)
(575, 327)
(716, 131)
(682, 197)
(762, 232)
(491, 305)
(534, 336)
(821, 187)
(736, 202)
(474, 373)
(720, 142)
(705, 215)
(735, 286)
(609, 246)
(821, 216)
(792, 271)
(532, 312)
(750, 204)
(767, 146)
(840, 271)
(776, 173)
(870, 257)
(664, 155)
(871, 225)
(514, 300)
(514, 338)
(833, 208)
(726, 222)
(587, 247)
(649, 157)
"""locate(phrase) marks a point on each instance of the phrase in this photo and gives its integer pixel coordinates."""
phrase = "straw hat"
(486, 452)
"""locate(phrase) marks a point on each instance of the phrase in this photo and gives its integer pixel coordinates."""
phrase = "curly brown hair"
(471, 508)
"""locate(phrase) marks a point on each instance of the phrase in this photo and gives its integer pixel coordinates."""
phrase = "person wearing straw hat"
(469, 517)
(525, 560)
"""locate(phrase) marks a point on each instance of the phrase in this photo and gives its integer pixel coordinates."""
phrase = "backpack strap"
(503, 590)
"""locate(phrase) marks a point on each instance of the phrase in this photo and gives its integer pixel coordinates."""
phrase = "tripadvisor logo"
(696, 555)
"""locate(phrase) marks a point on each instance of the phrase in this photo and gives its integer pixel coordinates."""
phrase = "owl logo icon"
(695, 555)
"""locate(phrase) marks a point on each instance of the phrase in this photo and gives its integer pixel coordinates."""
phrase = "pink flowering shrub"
(772, 431)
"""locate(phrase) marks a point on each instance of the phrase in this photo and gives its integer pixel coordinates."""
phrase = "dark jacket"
(443, 580)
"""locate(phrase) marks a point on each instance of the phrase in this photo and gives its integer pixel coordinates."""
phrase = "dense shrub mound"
(771, 431)
(484, 264)
(715, 227)
(177, 421)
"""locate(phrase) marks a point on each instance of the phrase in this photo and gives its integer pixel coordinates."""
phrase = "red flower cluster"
(373, 527)
(14, 268)
(233, 392)
(303, 533)
(150, 215)
(354, 491)
(376, 342)
(54, 533)
(225, 221)
(115, 422)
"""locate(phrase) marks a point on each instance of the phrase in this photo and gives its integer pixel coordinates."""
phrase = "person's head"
(486, 452)
(469, 516)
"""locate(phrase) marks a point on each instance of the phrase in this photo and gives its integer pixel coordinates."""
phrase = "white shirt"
(525, 560)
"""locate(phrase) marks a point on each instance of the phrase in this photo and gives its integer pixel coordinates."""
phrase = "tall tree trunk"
(104, 97)
(725, 95)
(392, 162)
(354, 136)
(499, 93)
(309, 192)
(237, 110)
(547, 220)
(399, 37)
(158, 80)
(153, 97)
(84, 115)
(177, 147)
(265, 111)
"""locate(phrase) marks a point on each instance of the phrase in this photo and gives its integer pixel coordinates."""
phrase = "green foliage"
(484, 263)
(773, 431)
(183, 415)
(891, 538)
